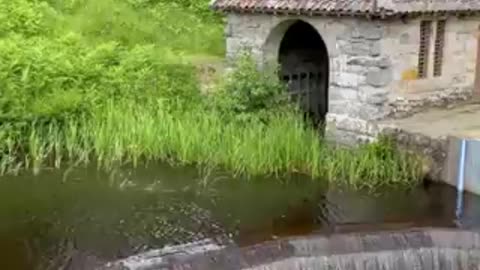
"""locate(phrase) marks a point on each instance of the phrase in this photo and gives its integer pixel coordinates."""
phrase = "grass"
(169, 25)
(123, 134)
(115, 82)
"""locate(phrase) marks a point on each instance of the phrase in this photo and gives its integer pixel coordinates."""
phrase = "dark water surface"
(71, 218)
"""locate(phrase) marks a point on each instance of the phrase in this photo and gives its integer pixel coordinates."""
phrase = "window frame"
(424, 48)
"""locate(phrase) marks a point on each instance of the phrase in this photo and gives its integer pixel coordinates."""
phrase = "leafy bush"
(24, 17)
(247, 91)
(41, 77)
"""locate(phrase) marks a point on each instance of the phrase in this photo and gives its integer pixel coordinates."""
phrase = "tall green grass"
(122, 134)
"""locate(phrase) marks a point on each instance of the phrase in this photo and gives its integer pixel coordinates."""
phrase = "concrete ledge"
(350, 131)
(471, 166)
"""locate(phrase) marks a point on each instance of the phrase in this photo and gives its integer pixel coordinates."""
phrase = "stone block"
(404, 39)
(372, 112)
(338, 63)
(372, 95)
(339, 107)
(253, 26)
(347, 80)
(367, 30)
(338, 93)
(355, 128)
(379, 78)
(356, 47)
(381, 62)
(353, 124)
(375, 49)
(360, 70)
(354, 109)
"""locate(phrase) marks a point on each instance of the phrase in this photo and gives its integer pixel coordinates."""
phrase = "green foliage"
(372, 165)
(248, 91)
(164, 24)
(23, 17)
(41, 77)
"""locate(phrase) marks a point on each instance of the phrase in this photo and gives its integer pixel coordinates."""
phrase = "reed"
(123, 133)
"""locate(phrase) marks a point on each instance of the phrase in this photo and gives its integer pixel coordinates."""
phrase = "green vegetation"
(112, 82)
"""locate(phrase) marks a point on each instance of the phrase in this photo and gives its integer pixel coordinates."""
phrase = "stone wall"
(359, 71)
(373, 65)
(408, 93)
(434, 151)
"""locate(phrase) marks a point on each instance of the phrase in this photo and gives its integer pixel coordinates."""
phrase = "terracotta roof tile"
(347, 7)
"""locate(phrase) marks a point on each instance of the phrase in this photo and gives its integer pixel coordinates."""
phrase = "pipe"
(461, 167)
(461, 179)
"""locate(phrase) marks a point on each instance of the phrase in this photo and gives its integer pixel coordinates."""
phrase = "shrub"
(27, 18)
(41, 77)
(247, 91)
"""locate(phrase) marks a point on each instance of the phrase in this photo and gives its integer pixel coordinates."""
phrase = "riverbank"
(122, 90)
(122, 134)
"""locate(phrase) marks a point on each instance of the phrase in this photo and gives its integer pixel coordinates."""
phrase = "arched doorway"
(304, 66)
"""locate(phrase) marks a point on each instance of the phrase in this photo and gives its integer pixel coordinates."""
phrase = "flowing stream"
(82, 218)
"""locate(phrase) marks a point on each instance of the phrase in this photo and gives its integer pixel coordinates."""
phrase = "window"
(439, 44)
(425, 33)
(426, 38)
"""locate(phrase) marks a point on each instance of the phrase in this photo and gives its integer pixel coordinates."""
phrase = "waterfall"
(422, 249)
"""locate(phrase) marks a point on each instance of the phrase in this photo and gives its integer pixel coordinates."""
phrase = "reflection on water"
(78, 218)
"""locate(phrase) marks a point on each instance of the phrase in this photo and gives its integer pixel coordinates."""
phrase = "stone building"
(355, 62)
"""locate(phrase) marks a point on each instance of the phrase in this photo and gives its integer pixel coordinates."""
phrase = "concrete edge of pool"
(427, 248)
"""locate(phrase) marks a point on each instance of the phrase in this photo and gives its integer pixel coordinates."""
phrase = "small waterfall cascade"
(422, 249)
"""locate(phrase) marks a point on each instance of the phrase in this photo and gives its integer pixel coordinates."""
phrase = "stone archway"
(304, 64)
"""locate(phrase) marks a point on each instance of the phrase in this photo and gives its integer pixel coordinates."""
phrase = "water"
(76, 219)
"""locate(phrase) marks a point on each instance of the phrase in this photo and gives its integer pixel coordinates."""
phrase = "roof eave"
(312, 13)
(379, 13)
